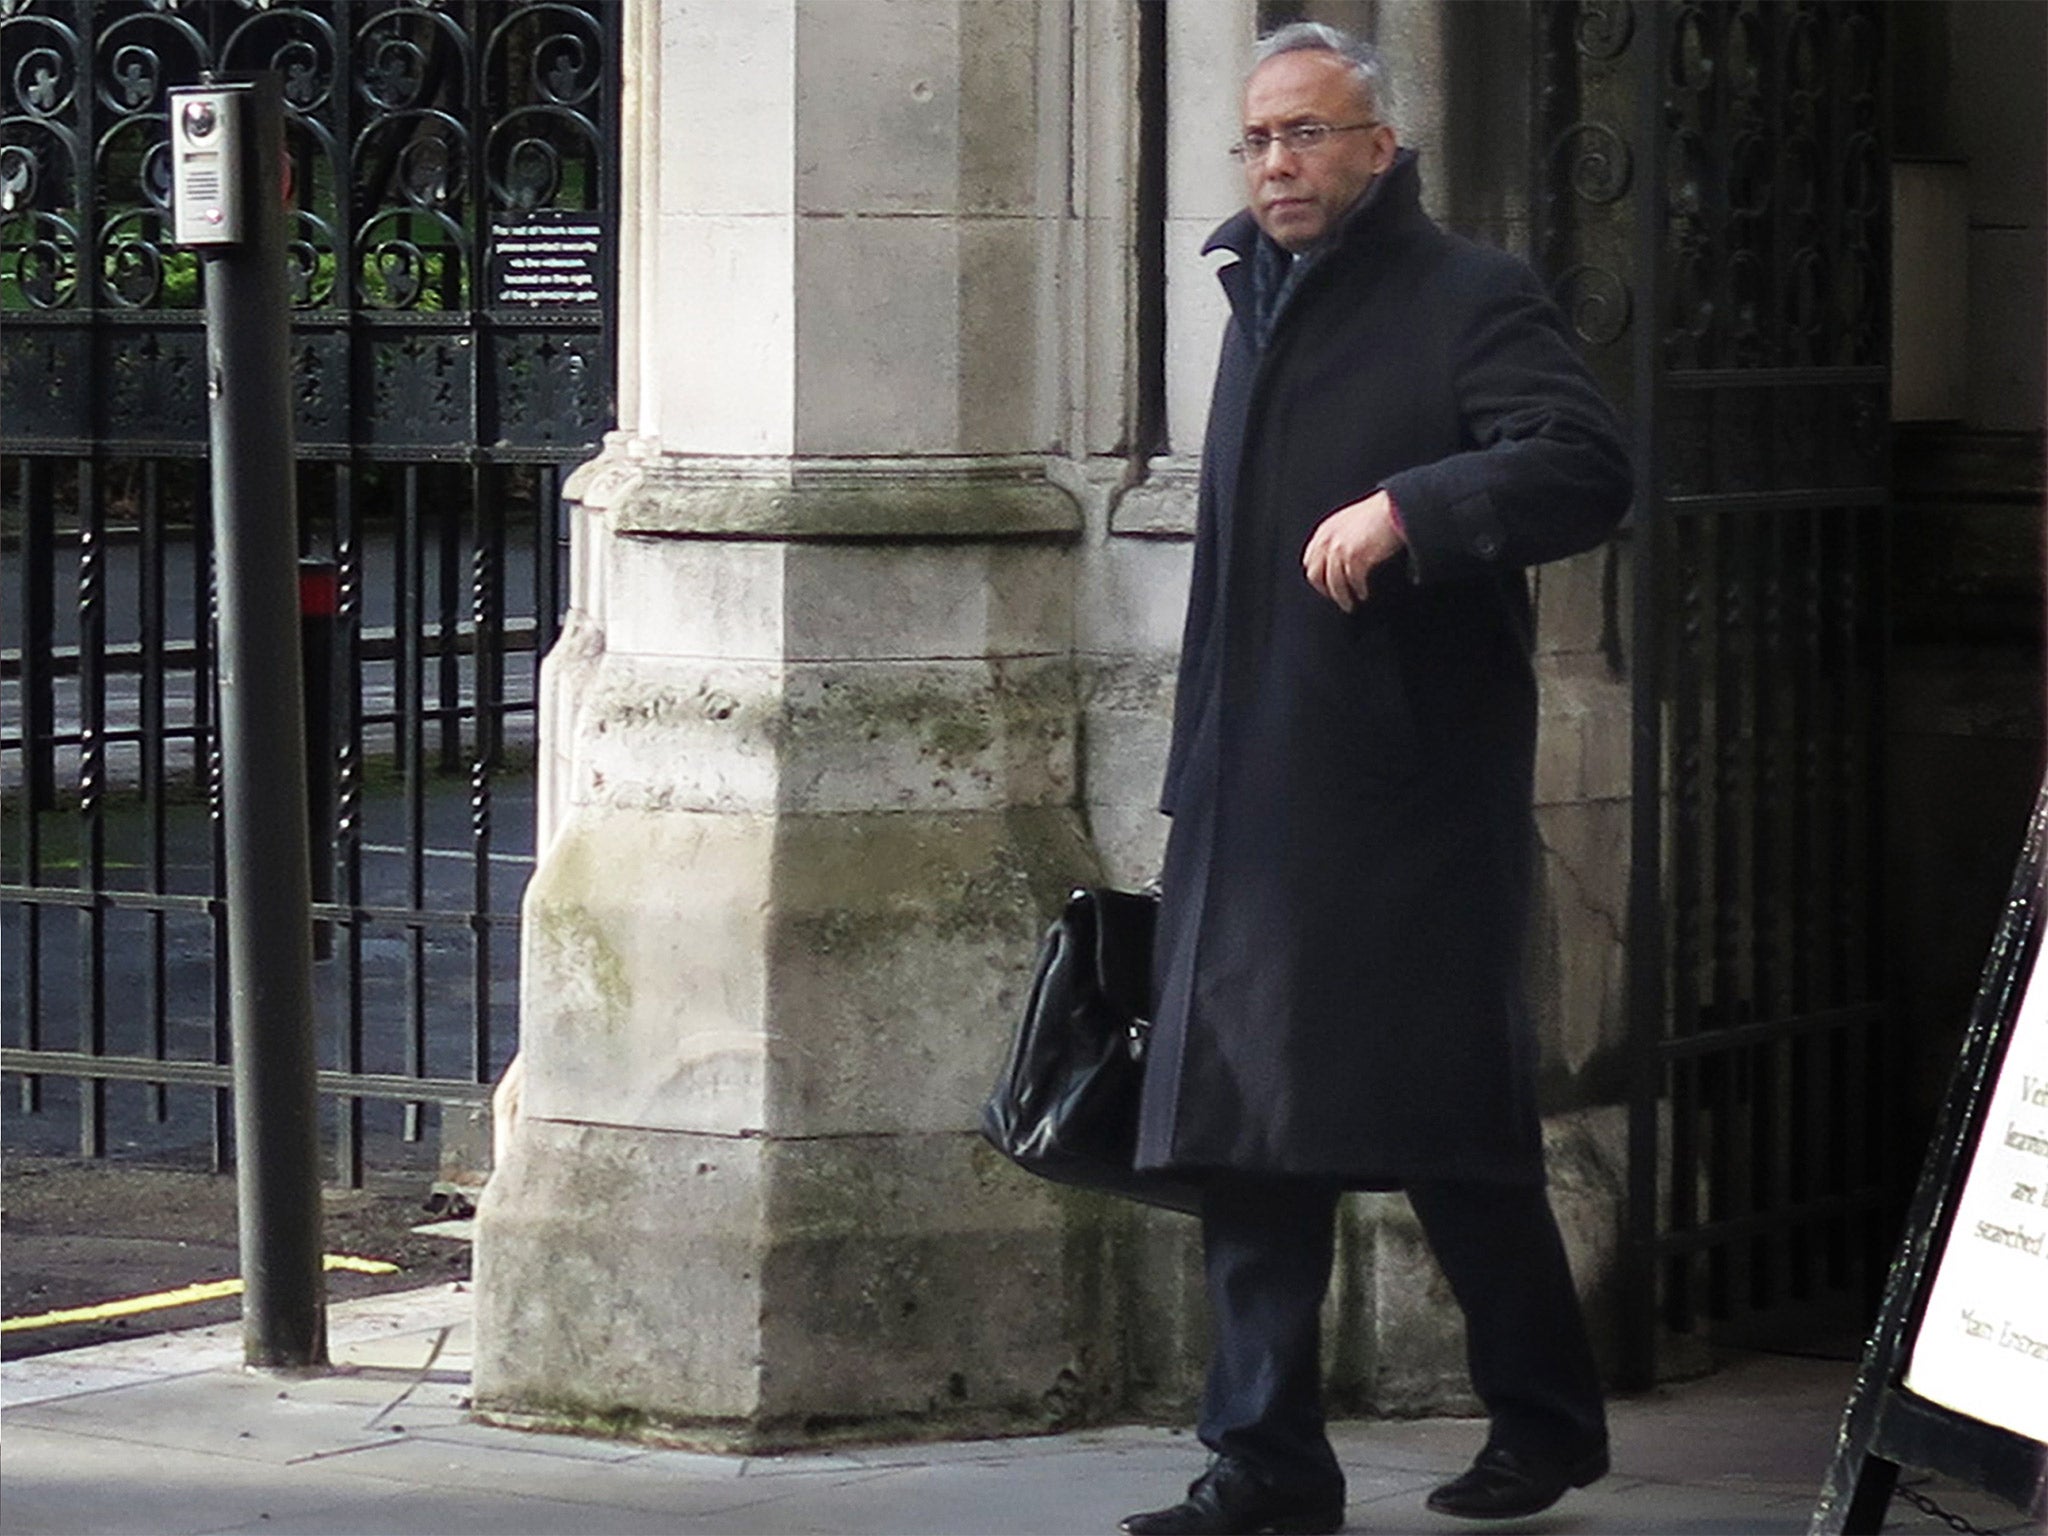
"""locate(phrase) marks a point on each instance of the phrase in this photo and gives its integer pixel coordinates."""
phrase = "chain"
(1928, 1507)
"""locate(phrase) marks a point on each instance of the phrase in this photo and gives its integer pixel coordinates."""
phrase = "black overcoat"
(1347, 873)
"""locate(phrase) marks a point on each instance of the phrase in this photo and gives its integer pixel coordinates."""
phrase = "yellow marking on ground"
(183, 1296)
(356, 1266)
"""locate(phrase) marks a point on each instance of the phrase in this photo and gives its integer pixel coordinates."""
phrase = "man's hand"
(1347, 545)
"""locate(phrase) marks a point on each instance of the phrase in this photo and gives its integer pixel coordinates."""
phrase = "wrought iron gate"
(1714, 191)
(453, 174)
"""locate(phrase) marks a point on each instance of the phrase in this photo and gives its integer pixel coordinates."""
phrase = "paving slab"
(457, 1512)
(169, 1435)
(632, 1483)
(220, 1414)
(60, 1481)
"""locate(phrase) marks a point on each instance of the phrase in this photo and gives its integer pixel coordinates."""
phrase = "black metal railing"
(453, 178)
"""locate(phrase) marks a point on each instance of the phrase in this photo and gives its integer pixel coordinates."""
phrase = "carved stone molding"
(1162, 505)
(869, 498)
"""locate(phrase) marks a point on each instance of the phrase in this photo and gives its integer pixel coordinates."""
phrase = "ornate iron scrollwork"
(421, 388)
(1587, 174)
(1604, 28)
(416, 130)
(300, 42)
(39, 160)
(544, 153)
(155, 385)
(1597, 301)
(1596, 162)
(549, 383)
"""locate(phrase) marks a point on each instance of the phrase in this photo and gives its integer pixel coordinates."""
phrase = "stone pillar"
(810, 757)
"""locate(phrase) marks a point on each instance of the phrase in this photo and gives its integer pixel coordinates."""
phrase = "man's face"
(1298, 196)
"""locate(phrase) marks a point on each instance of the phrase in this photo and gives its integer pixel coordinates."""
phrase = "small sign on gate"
(548, 259)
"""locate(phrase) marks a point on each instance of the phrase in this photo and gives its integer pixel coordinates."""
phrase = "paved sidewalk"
(169, 1434)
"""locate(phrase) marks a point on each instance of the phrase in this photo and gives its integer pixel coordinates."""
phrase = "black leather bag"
(1066, 1105)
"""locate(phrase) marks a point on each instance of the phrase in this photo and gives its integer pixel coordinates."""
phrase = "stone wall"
(811, 756)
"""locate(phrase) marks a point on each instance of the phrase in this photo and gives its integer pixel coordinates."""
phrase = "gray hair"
(1367, 64)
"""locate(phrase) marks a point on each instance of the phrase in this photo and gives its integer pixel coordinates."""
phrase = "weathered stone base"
(752, 1294)
(794, 976)
(743, 1206)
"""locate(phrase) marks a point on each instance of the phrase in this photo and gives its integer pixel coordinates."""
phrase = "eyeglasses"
(1298, 139)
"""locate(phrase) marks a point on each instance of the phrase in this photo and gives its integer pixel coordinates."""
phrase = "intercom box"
(208, 139)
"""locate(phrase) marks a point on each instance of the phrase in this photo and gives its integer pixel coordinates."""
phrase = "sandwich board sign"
(1955, 1376)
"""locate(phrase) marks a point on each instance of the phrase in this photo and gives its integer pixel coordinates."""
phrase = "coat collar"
(1392, 203)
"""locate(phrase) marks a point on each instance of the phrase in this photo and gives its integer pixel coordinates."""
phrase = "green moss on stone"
(568, 920)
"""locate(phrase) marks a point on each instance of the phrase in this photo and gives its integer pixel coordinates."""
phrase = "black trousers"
(1267, 1251)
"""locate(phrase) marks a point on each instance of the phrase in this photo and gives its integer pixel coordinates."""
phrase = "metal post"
(263, 752)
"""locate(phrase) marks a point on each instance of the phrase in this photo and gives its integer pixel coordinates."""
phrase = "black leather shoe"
(1232, 1500)
(1506, 1485)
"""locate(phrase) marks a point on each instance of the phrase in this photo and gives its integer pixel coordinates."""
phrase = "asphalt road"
(79, 1234)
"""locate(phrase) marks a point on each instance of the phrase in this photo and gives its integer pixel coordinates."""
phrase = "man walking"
(1399, 428)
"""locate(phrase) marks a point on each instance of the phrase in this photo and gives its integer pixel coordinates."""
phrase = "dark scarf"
(1276, 273)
